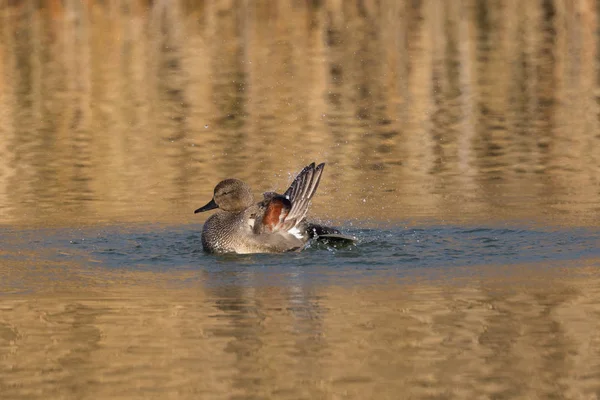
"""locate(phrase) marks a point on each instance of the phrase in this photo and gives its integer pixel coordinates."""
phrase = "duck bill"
(210, 206)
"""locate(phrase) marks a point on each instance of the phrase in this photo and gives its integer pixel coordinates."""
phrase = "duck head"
(230, 195)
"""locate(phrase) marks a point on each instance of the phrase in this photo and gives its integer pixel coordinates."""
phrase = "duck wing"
(284, 212)
(302, 190)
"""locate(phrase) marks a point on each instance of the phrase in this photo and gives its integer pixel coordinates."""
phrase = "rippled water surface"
(434, 311)
(462, 147)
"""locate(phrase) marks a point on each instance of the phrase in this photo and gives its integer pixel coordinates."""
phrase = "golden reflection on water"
(450, 110)
(501, 332)
(444, 110)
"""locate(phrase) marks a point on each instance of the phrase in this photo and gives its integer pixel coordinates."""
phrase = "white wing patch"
(296, 232)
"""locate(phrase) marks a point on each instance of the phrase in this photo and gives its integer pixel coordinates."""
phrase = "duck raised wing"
(285, 212)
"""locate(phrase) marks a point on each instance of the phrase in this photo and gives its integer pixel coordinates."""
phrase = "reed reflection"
(454, 110)
(520, 331)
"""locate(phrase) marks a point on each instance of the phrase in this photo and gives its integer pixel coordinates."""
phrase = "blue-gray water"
(390, 251)
(461, 142)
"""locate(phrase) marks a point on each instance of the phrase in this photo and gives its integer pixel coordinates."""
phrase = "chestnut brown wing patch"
(277, 209)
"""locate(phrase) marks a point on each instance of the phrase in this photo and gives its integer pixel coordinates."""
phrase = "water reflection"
(422, 109)
(500, 332)
(127, 311)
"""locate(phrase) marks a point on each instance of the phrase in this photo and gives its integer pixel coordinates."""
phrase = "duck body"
(227, 232)
(275, 224)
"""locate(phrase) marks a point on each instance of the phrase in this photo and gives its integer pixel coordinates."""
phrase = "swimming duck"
(275, 224)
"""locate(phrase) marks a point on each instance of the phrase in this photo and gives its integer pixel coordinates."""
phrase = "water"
(138, 311)
(461, 142)
(166, 248)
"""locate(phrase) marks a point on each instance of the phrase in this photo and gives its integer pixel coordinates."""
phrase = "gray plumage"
(276, 224)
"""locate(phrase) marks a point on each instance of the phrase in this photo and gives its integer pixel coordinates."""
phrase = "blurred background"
(447, 110)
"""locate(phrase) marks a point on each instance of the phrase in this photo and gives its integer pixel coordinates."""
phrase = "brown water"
(464, 134)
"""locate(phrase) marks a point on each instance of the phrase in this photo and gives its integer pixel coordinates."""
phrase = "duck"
(276, 224)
